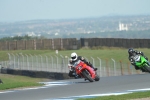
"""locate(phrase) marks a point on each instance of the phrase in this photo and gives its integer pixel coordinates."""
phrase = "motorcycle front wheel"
(87, 76)
(147, 68)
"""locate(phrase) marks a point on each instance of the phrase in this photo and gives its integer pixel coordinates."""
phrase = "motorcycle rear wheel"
(97, 78)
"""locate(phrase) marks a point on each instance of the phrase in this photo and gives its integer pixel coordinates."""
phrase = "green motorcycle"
(142, 63)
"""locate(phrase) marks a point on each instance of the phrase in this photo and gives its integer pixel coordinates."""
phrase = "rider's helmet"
(130, 51)
(74, 56)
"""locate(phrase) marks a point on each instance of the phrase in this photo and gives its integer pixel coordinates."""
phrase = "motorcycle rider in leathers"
(131, 53)
(74, 58)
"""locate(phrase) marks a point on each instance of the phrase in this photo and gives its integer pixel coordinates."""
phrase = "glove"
(141, 53)
(133, 63)
(146, 58)
(131, 60)
(89, 64)
(69, 65)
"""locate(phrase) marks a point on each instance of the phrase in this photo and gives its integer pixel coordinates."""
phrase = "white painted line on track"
(146, 89)
(6, 91)
(54, 83)
(46, 85)
(98, 95)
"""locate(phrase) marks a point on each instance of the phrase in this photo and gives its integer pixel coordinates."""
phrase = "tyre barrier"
(36, 74)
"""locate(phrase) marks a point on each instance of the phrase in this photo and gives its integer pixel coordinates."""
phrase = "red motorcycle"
(86, 71)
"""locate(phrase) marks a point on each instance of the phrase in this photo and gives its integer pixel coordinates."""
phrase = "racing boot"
(142, 70)
(77, 76)
(72, 74)
(136, 67)
(95, 69)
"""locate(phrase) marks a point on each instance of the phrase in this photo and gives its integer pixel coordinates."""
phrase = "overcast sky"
(21, 10)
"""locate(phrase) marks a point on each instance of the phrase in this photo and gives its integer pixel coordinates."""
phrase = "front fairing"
(80, 66)
(140, 61)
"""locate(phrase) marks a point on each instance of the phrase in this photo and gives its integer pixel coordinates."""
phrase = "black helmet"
(130, 51)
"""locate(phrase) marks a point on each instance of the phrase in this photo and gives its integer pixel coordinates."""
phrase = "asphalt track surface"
(77, 87)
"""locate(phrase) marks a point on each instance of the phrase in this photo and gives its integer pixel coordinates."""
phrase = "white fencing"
(59, 63)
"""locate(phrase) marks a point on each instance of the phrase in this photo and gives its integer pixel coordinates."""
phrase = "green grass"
(16, 81)
(122, 97)
(4, 54)
(103, 53)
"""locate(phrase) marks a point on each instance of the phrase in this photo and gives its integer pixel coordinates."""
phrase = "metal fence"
(59, 63)
(73, 43)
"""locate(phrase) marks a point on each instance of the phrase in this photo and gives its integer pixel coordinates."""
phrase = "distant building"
(31, 34)
(123, 27)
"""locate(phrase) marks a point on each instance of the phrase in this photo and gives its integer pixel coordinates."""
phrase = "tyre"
(147, 68)
(97, 78)
(87, 76)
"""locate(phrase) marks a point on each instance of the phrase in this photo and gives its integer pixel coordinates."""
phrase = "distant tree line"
(139, 34)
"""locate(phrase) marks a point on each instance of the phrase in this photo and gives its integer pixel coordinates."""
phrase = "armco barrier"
(36, 74)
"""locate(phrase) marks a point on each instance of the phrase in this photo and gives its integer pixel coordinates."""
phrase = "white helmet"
(74, 56)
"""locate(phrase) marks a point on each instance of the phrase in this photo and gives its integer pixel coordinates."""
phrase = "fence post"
(18, 60)
(121, 67)
(27, 61)
(22, 61)
(100, 66)
(31, 61)
(66, 61)
(37, 67)
(107, 67)
(93, 61)
(52, 61)
(46, 62)
(9, 57)
(129, 72)
(114, 66)
(56, 63)
(14, 60)
(62, 63)
(41, 62)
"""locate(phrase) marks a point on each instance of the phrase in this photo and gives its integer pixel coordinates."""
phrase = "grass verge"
(16, 81)
(130, 96)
